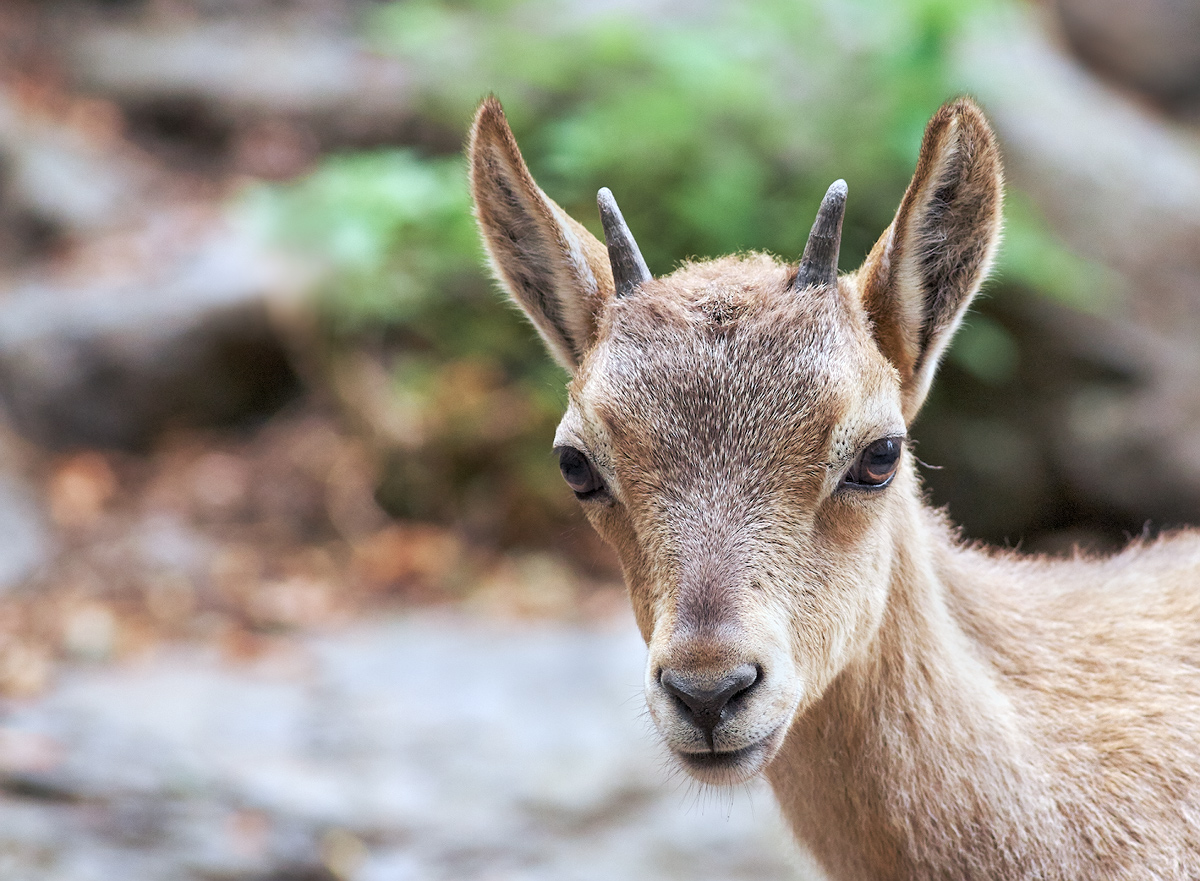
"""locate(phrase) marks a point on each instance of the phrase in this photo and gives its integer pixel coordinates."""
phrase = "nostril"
(706, 698)
(758, 677)
(745, 678)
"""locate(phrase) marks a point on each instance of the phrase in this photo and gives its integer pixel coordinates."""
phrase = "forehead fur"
(721, 365)
(719, 292)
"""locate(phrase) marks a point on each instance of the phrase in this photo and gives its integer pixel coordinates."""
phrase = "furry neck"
(914, 762)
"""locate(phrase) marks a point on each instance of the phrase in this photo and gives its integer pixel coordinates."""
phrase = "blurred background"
(290, 587)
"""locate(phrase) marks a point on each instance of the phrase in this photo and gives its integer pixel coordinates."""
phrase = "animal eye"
(876, 465)
(578, 471)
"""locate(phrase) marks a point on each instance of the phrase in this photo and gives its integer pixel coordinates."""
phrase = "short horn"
(819, 265)
(628, 268)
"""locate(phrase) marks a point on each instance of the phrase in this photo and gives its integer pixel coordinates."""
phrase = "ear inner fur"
(924, 270)
(554, 269)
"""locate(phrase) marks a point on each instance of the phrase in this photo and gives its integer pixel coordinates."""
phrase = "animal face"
(724, 413)
(736, 429)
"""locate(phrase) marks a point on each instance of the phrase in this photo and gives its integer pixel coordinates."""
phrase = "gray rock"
(157, 318)
(62, 177)
(1121, 185)
(26, 542)
(244, 70)
(1149, 45)
(112, 364)
(430, 747)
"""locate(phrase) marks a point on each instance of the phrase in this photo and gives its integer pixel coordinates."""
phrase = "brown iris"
(876, 465)
(579, 472)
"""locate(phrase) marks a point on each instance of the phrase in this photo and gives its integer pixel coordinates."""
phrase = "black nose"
(706, 699)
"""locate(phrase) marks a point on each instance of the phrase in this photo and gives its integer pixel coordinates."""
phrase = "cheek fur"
(834, 588)
(613, 525)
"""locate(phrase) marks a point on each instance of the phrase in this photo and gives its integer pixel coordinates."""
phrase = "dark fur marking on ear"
(534, 281)
(950, 259)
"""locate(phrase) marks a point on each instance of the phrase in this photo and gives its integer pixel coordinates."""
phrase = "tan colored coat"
(922, 708)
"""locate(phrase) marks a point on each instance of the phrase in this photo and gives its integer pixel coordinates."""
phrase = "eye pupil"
(876, 465)
(578, 471)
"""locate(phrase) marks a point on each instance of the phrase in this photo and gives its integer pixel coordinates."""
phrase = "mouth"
(731, 766)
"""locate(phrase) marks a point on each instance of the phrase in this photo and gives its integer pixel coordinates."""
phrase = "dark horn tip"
(605, 200)
(818, 266)
(628, 267)
(832, 209)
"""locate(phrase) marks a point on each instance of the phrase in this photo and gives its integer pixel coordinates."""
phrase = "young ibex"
(737, 431)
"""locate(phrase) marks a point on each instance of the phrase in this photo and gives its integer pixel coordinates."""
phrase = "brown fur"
(925, 709)
(545, 258)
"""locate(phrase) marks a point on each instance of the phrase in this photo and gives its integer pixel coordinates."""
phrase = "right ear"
(555, 270)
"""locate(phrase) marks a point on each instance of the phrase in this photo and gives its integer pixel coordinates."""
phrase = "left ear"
(923, 272)
(551, 266)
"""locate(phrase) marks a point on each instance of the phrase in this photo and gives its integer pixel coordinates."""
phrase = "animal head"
(736, 430)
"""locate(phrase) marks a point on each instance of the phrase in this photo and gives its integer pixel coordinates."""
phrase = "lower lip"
(726, 761)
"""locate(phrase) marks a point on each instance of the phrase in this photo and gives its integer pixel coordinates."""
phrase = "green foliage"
(392, 227)
(721, 134)
(716, 135)
(403, 282)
